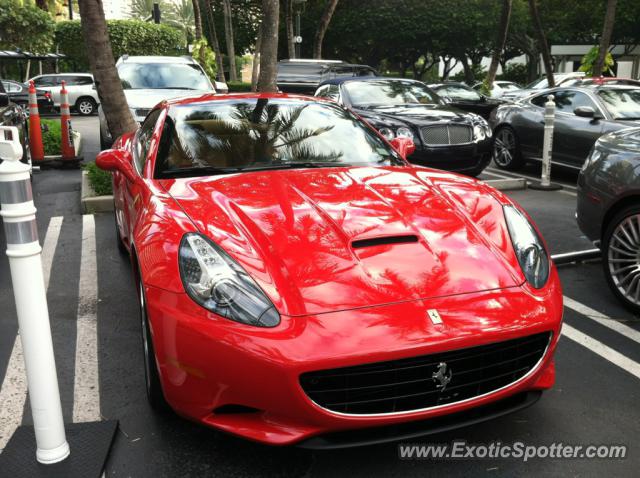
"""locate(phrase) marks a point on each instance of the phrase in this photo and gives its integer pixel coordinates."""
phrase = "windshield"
(181, 76)
(538, 84)
(253, 134)
(457, 92)
(389, 93)
(621, 103)
(509, 86)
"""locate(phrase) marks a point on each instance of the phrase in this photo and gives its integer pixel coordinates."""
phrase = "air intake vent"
(383, 241)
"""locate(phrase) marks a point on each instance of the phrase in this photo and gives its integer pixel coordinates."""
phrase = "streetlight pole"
(298, 6)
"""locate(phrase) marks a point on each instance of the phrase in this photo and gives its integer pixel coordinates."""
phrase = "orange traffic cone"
(67, 148)
(35, 133)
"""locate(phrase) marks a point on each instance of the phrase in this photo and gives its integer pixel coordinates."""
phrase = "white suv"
(148, 80)
(83, 97)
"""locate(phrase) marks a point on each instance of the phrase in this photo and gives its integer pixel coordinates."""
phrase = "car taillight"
(47, 95)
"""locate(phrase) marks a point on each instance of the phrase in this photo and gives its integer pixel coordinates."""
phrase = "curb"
(508, 184)
(91, 203)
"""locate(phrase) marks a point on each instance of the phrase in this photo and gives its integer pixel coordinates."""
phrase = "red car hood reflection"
(294, 232)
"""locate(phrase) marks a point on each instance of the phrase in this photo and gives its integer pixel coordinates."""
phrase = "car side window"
(539, 100)
(46, 81)
(79, 80)
(143, 140)
(322, 91)
(567, 101)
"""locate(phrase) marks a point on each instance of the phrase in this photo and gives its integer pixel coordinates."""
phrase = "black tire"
(155, 396)
(86, 106)
(122, 248)
(506, 149)
(621, 256)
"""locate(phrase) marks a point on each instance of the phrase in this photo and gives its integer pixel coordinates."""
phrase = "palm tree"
(607, 30)
(213, 35)
(269, 45)
(103, 67)
(142, 9)
(322, 28)
(180, 15)
(542, 41)
(501, 41)
(228, 30)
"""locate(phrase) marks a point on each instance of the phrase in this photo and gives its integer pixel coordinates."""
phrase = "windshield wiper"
(197, 171)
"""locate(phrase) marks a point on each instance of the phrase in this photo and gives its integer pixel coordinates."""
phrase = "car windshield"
(365, 94)
(457, 92)
(181, 76)
(508, 86)
(264, 133)
(622, 103)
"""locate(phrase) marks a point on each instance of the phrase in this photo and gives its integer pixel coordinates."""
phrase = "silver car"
(148, 80)
(609, 209)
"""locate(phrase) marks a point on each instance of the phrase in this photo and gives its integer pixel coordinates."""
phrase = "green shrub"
(238, 86)
(516, 72)
(100, 180)
(132, 37)
(51, 137)
(205, 56)
(25, 26)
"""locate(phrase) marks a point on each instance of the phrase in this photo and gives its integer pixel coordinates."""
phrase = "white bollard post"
(547, 149)
(24, 251)
(547, 145)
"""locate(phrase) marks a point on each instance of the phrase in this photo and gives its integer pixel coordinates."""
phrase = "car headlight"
(481, 128)
(529, 249)
(387, 133)
(216, 282)
(403, 132)
(479, 132)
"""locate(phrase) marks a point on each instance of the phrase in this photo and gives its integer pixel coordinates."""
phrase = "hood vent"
(383, 241)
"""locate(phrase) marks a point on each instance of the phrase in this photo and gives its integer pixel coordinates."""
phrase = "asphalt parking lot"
(595, 399)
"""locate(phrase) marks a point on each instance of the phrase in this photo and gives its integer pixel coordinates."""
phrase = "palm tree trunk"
(542, 41)
(322, 28)
(256, 60)
(288, 18)
(607, 30)
(501, 40)
(269, 46)
(214, 40)
(228, 31)
(197, 19)
(103, 67)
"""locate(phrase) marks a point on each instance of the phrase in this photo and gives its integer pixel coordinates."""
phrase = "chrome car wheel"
(623, 258)
(151, 375)
(506, 152)
(85, 107)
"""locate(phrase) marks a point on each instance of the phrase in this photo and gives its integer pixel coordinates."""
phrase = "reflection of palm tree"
(253, 133)
(142, 9)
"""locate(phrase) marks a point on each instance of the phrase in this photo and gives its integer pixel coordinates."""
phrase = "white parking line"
(602, 319)
(13, 393)
(602, 350)
(86, 386)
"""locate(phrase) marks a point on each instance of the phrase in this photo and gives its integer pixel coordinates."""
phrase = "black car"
(466, 98)
(13, 115)
(582, 116)
(304, 76)
(445, 137)
(609, 210)
(19, 94)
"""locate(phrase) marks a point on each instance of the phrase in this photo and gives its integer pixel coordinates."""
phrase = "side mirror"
(4, 100)
(585, 112)
(116, 160)
(404, 146)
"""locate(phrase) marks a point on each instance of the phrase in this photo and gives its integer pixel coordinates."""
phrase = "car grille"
(447, 134)
(408, 384)
(142, 112)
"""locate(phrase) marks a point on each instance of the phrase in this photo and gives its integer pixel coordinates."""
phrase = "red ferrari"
(301, 283)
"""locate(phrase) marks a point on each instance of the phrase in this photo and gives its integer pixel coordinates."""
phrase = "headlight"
(531, 254)
(387, 133)
(404, 133)
(216, 282)
(479, 132)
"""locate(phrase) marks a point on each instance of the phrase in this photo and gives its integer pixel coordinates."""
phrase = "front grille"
(408, 384)
(447, 134)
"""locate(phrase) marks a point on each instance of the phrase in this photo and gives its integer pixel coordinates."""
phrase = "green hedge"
(238, 86)
(25, 26)
(132, 37)
(52, 137)
(100, 180)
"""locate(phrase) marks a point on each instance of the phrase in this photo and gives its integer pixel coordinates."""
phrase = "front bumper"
(245, 380)
(466, 158)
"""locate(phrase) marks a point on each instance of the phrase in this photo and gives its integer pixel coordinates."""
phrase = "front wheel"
(506, 149)
(621, 256)
(155, 396)
(85, 106)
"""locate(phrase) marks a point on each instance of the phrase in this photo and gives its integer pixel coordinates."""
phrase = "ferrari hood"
(323, 240)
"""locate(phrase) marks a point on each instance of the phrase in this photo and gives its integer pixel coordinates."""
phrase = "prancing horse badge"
(434, 316)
